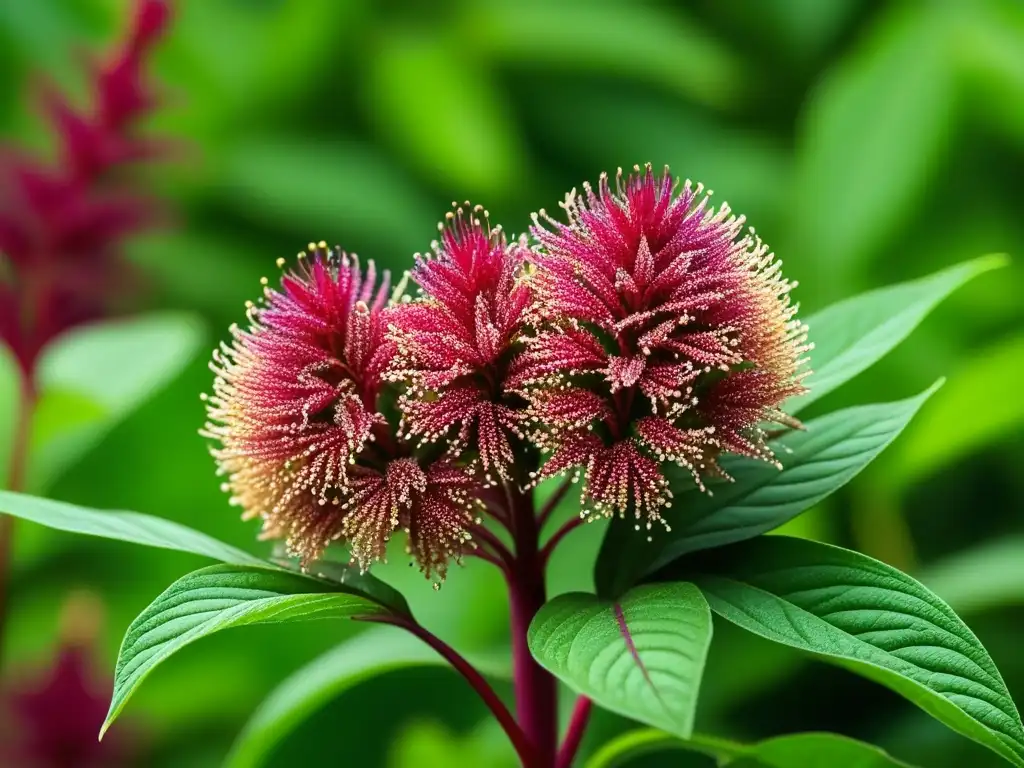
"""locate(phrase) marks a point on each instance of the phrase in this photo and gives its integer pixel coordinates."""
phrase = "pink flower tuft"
(664, 333)
(456, 343)
(302, 441)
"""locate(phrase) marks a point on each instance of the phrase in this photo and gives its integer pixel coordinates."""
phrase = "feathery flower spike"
(455, 343)
(665, 333)
(304, 446)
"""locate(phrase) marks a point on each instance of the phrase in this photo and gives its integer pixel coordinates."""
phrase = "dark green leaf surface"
(871, 170)
(856, 612)
(853, 334)
(642, 656)
(816, 462)
(798, 750)
(122, 526)
(221, 597)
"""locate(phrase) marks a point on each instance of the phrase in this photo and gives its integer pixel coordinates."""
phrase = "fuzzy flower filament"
(664, 333)
(455, 343)
(296, 412)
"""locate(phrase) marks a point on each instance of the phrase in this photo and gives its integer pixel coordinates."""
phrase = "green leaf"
(121, 526)
(371, 653)
(858, 177)
(321, 187)
(575, 35)
(816, 462)
(852, 335)
(94, 376)
(221, 597)
(374, 652)
(987, 388)
(441, 109)
(850, 610)
(990, 575)
(641, 656)
(798, 750)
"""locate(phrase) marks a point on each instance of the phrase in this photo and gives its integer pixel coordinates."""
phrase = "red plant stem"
(496, 545)
(515, 734)
(553, 501)
(536, 704)
(15, 482)
(482, 554)
(574, 735)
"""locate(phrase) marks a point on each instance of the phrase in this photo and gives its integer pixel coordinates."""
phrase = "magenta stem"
(497, 548)
(574, 735)
(20, 448)
(536, 702)
(515, 733)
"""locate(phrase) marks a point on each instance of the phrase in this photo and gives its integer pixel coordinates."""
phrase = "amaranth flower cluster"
(647, 328)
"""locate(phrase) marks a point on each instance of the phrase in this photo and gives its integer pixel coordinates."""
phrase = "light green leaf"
(852, 335)
(850, 610)
(988, 389)
(94, 376)
(322, 188)
(641, 656)
(374, 652)
(442, 110)
(990, 575)
(797, 750)
(816, 462)
(121, 526)
(858, 177)
(221, 597)
(649, 44)
(371, 653)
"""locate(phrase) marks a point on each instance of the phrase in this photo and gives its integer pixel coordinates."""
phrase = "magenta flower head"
(664, 333)
(455, 344)
(296, 410)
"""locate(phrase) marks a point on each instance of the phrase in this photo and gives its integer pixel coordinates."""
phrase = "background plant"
(290, 149)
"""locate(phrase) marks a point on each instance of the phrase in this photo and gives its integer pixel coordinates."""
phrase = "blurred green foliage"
(869, 142)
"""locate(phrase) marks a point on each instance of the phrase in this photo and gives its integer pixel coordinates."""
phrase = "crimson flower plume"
(454, 345)
(665, 333)
(296, 413)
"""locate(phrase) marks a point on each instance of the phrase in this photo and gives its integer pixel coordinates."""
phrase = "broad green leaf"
(987, 388)
(816, 462)
(94, 376)
(798, 750)
(122, 526)
(987, 576)
(641, 656)
(858, 177)
(322, 188)
(379, 650)
(574, 35)
(443, 111)
(858, 613)
(221, 597)
(159, 532)
(350, 577)
(852, 335)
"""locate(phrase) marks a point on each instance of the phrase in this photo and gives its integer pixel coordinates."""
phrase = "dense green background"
(868, 142)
